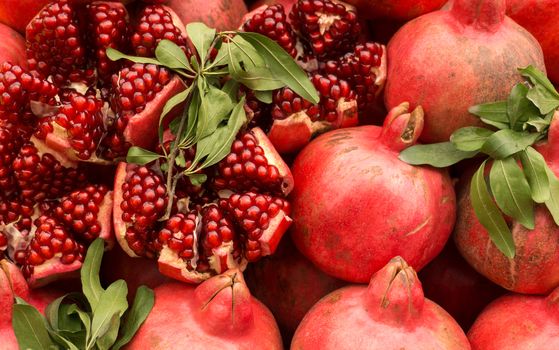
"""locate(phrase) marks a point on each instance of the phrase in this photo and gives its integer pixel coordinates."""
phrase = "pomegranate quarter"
(356, 205)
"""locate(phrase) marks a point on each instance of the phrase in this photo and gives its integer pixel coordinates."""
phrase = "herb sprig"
(213, 110)
(97, 319)
(519, 177)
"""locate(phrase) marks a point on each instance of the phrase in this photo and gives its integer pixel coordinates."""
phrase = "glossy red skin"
(389, 314)
(356, 205)
(17, 13)
(517, 322)
(450, 282)
(179, 320)
(289, 285)
(451, 60)
(541, 18)
(287, 4)
(218, 14)
(395, 9)
(12, 46)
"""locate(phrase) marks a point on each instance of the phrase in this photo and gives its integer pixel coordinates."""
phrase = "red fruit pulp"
(356, 205)
(390, 313)
(451, 60)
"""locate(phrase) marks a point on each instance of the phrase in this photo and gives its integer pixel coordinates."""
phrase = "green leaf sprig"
(519, 176)
(97, 319)
(212, 111)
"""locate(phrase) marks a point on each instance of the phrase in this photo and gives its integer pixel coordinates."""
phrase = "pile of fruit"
(304, 174)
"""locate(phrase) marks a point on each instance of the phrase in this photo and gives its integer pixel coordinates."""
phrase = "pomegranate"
(12, 284)
(17, 13)
(236, 217)
(355, 201)
(533, 269)
(540, 19)
(218, 314)
(450, 282)
(326, 38)
(390, 313)
(451, 60)
(220, 14)
(287, 4)
(401, 10)
(289, 285)
(519, 322)
(12, 47)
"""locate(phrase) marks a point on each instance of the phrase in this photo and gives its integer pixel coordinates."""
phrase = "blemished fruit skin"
(390, 313)
(541, 18)
(218, 14)
(454, 285)
(518, 322)
(356, 205)
(535, 266)
(218, 314)
(12, 46)
(451, 60)
(396, 9)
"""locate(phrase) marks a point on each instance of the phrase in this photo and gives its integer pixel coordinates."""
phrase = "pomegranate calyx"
(395, 293)
(482, 15)
(401, 128)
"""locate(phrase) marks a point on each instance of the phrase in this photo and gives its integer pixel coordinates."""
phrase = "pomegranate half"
(356, 205)
(389, 314)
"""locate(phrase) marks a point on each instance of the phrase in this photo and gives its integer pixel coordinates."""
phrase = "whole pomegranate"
(356, 205)
(12, 284)
(451, 60)
(450, 282)
(518, 322)
(389, 314)
(401, 10)
(219, 14)
(218, 314)
(12, 47)
(535, 267)
(17, 13)
(541, 18)
(289, 285)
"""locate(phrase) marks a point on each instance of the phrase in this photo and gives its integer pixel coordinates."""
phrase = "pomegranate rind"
(53, 270)
(119, 225)
(272, 235)
(104, 217)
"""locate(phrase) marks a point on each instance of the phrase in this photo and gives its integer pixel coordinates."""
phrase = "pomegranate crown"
(522, 127)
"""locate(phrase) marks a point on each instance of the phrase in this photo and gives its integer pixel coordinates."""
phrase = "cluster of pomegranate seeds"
(359, 68)
(217, 227)
(179, 234)
(328, 27)
(79, 211)
(246, 167)
(154, 25)
(273, 23)
(332, 91)
(285, 102)
(10, 142)
(42, 176)
(109, 26)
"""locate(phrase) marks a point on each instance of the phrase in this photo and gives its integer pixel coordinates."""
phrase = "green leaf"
(108, 339)
(115, 55)
(202, 37)
(217, 105)
(171, 55)
(143, 303)
(507, 142)
(197, 179)
(539, 123)
(189, 134)
(138, 155)
(111, 302)
(169, 105)
(552, 203)
(83, 316)
(246, 53)
(520, 108)
(439, 155)
(57, 316)
(535, 168)
(222, 57)
(66, 343)
(30, 327)
(494, 113)
(231, 88)
(91, 285)
(282, 66)
(258, 79)
(470, 138)
(512, 191)
(542, 94)
(264, 96)
(489, 215)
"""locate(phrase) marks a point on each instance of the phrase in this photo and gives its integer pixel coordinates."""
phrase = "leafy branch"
(519, 177)
(212, 105)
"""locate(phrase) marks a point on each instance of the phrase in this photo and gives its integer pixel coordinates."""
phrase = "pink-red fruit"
(356, 205)
(447, 61)
(389, 314)
(218, 14)
(401, 10)
(218, 314)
